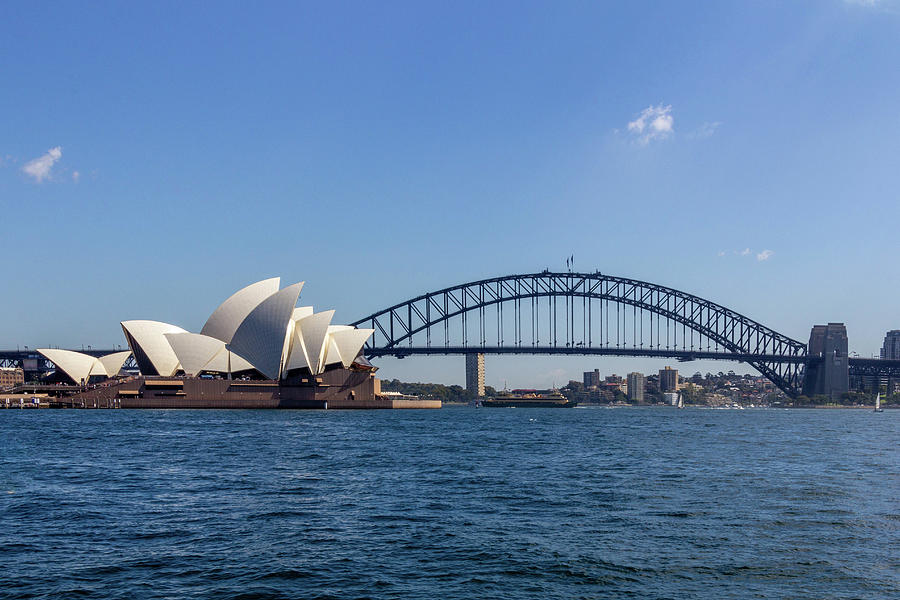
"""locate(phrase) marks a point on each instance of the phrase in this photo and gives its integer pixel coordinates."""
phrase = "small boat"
(680, 401)
(878, 403)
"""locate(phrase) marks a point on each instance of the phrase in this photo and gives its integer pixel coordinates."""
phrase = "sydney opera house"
(258, 349)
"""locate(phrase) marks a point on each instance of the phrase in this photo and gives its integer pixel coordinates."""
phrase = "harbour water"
(457, 503)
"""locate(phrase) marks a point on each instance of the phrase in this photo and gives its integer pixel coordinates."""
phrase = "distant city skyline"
(153, 161)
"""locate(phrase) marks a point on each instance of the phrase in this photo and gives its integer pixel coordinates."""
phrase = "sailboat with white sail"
(878, 403)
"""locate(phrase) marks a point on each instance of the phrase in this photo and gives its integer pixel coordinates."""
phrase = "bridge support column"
(475, 374)
(829, 374)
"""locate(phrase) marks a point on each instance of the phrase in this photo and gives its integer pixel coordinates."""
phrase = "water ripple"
(453, 504)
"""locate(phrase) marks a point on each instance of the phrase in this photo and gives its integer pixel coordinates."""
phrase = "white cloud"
(886, 6)
(39, 168)
(654, 123)
(76, 176)
(760, 256)
(706, 130)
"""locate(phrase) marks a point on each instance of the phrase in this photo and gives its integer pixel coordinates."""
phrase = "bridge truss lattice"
(581, 313)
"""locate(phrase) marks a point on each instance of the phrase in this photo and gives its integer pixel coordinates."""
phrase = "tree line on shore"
(702, 391)
(438, 391)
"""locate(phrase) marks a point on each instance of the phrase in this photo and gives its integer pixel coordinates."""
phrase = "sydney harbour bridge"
(597, 314)
(560, 313)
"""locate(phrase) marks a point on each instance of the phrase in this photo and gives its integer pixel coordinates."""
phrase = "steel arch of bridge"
(408, 328)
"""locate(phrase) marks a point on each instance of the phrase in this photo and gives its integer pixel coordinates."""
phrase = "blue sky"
(154, 159)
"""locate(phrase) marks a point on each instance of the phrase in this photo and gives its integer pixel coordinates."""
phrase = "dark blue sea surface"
(456, 503)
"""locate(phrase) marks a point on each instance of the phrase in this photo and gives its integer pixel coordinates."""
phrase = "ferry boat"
(528, 398)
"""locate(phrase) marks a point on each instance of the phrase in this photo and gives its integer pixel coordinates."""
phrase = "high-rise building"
(592, 378)
(636, 384)
(668, 380)
(891, 348)
(475, 374)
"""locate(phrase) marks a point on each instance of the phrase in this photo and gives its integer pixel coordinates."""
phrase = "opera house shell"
(81, 368)
(258, 330)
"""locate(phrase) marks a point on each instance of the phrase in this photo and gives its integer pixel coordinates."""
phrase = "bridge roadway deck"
(856, 363)
(858, 366)
(881, 367)
(680, 355)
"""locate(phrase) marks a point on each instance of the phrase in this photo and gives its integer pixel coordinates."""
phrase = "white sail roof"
(302, 311)
(197, 352)
(112, 363)
(258, 327)
(260, 338)
(332, 352)
(150, 341)
(226, 319)
(313, 332)
(297, 358)
(76, 365)
(98, 369)
(79, 366)
(294, 353)
(350, 342)
(220, 363)
(194, 350)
